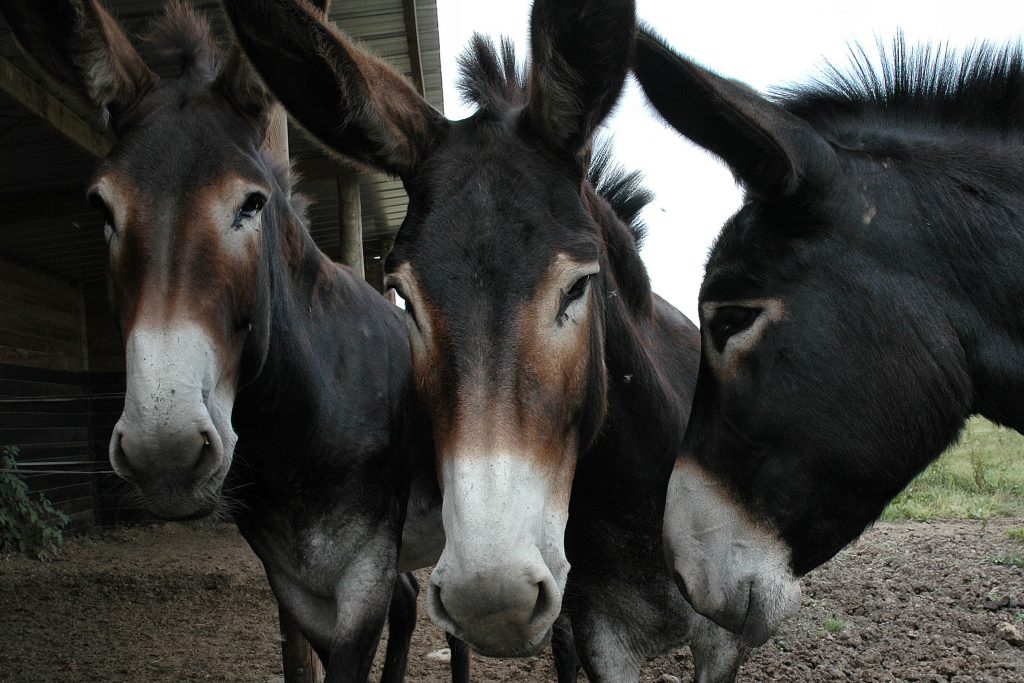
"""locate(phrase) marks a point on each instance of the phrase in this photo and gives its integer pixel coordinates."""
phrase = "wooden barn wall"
(40, 320)
(57, 409)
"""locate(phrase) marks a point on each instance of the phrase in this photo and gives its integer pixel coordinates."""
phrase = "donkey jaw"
(729, 568)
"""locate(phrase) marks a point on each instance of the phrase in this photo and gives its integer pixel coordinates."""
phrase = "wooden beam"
(41, 102)
(317, 168)
(412, 36)
(54, 201)
(301, 664)
(350, 222)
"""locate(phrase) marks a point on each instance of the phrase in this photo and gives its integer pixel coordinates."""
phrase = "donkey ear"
(579, 59)
(772, 151)
(240, 83)
(349, 99)
(80, 46)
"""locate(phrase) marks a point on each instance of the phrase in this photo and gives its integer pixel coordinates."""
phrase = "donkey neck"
(334, 378)
(651, 354)
(950, 232)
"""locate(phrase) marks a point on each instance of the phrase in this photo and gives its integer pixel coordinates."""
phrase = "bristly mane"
(491, 78)
(622, 189)
(980, 89)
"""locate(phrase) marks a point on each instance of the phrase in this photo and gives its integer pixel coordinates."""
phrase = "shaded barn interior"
(61, 354)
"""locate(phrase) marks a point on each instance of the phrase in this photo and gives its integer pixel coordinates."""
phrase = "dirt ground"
(909, 602)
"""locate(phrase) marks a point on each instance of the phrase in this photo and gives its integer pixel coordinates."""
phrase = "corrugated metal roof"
(39, 167)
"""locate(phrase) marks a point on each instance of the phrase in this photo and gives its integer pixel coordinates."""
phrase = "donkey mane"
(623, 189)
(981, 89)
(492, 78)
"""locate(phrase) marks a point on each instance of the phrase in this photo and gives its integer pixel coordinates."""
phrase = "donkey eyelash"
(576, 292)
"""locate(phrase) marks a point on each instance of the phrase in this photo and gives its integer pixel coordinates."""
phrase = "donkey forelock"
(180, 44)
(490, 75)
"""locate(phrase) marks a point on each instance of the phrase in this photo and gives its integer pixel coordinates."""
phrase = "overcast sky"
(765, 44)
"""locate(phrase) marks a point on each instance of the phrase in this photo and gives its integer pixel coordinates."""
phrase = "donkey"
(539, 348)
(261, 377)
(863, 302)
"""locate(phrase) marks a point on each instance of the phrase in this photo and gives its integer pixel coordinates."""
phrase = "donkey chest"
(312, 554)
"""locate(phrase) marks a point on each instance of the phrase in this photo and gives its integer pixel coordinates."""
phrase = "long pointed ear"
(238, 81)
(81, 47)
(772, 151)
(579, 59)
(349, 99)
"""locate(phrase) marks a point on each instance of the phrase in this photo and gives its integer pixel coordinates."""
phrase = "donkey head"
(824, 375)
(186, 194)
(496, 261)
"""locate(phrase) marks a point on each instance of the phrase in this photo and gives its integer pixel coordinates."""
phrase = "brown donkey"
(559, 385)
(261, 378)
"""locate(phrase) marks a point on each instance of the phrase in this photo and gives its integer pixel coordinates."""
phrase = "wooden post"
(301, 664)
(300, 661)
(350, 222)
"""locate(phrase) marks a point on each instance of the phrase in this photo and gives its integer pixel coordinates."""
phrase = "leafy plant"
(27, 525)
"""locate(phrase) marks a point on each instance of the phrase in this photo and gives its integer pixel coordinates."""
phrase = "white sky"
(763, 43)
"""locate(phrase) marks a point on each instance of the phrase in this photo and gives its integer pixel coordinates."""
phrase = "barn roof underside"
(45, 221)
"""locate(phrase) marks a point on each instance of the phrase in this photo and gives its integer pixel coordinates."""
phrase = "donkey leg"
(604, 653)
(401, 623)
(460, 658)
(563, 649)
(363, 593)
(717, 653)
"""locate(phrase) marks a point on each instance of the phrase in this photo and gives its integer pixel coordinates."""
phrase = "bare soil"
(908, 602)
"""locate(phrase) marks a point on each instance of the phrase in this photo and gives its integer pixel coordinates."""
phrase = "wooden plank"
(26, 389)
(47, 325)
(70, 492)
(38, 100)
(44, 435)
(17, 313)
(57, 201)
(50, 482)
(36, 359)
(41, 418)
(42, 343)
(56, 377)
(412, 37)
(30, 294)
(30, 453)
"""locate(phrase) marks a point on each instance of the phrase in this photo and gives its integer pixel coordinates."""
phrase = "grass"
(1016, 533)
(834, 624)
(980, 477)
(1012, 559)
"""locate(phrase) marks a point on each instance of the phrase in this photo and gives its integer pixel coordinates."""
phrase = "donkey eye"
(576, 292)
(108, 216)
(254, 203)
(728, 321)
(406, 303)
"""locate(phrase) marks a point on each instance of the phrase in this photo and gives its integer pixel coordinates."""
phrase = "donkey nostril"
(119, 458)
(207, 462)
(547, 602)
(681, 584)
(439, 613)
